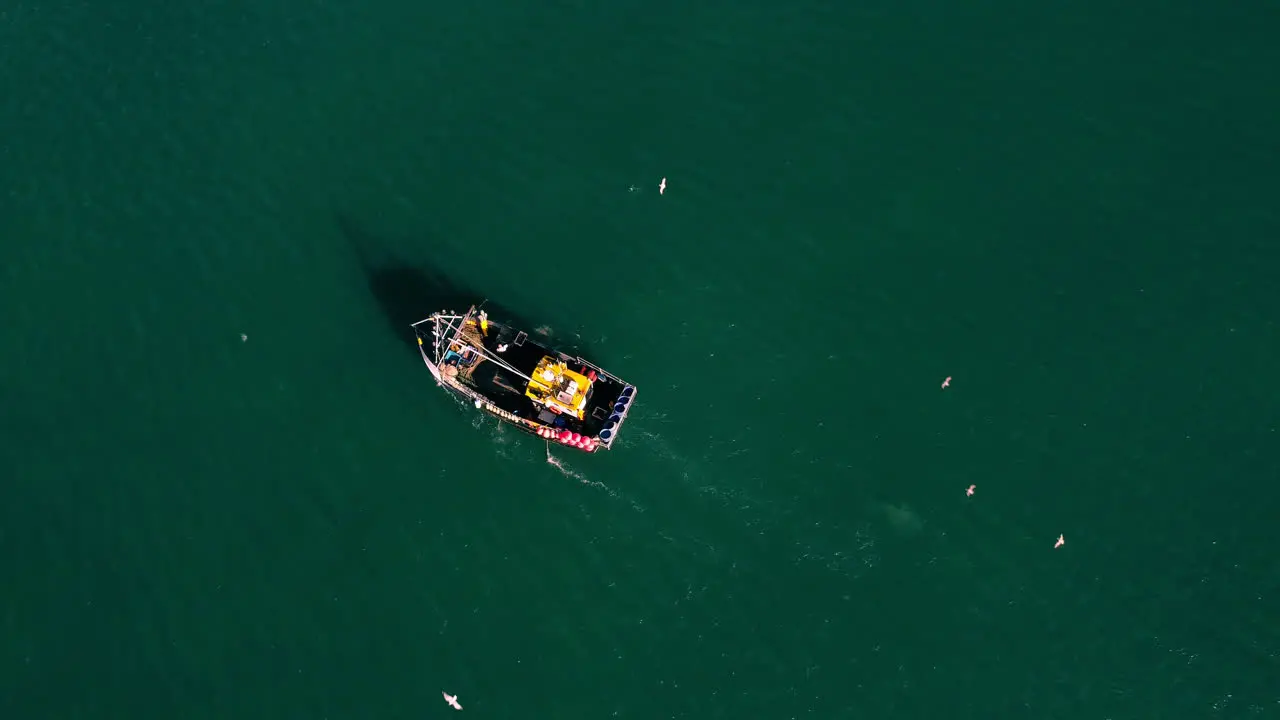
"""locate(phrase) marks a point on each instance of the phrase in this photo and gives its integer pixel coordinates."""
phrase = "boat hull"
(490, 364)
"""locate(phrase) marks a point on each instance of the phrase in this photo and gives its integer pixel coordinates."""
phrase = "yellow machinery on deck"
(557, 387)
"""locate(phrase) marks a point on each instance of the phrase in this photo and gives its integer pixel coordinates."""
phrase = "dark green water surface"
(1069, 208)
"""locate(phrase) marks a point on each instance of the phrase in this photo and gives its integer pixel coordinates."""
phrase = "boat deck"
(523, 352)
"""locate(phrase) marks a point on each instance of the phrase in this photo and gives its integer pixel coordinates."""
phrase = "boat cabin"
(559, 389)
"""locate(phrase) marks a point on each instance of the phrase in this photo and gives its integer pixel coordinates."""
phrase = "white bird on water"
(452, 700)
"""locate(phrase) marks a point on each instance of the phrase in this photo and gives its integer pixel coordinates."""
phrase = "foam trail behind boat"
(570, 472)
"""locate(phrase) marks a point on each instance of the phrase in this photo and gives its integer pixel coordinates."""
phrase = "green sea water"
(1068, 208)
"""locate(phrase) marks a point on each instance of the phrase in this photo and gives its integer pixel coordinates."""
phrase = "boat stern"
(618, 411)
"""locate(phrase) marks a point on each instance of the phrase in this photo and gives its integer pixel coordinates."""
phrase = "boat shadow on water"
(495, 361)
(408, 292)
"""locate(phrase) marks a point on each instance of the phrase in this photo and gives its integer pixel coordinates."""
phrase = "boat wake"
(847, 547)
(567, 472)
(571, 473)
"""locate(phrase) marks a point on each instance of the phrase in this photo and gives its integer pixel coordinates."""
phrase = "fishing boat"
(508, 374)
